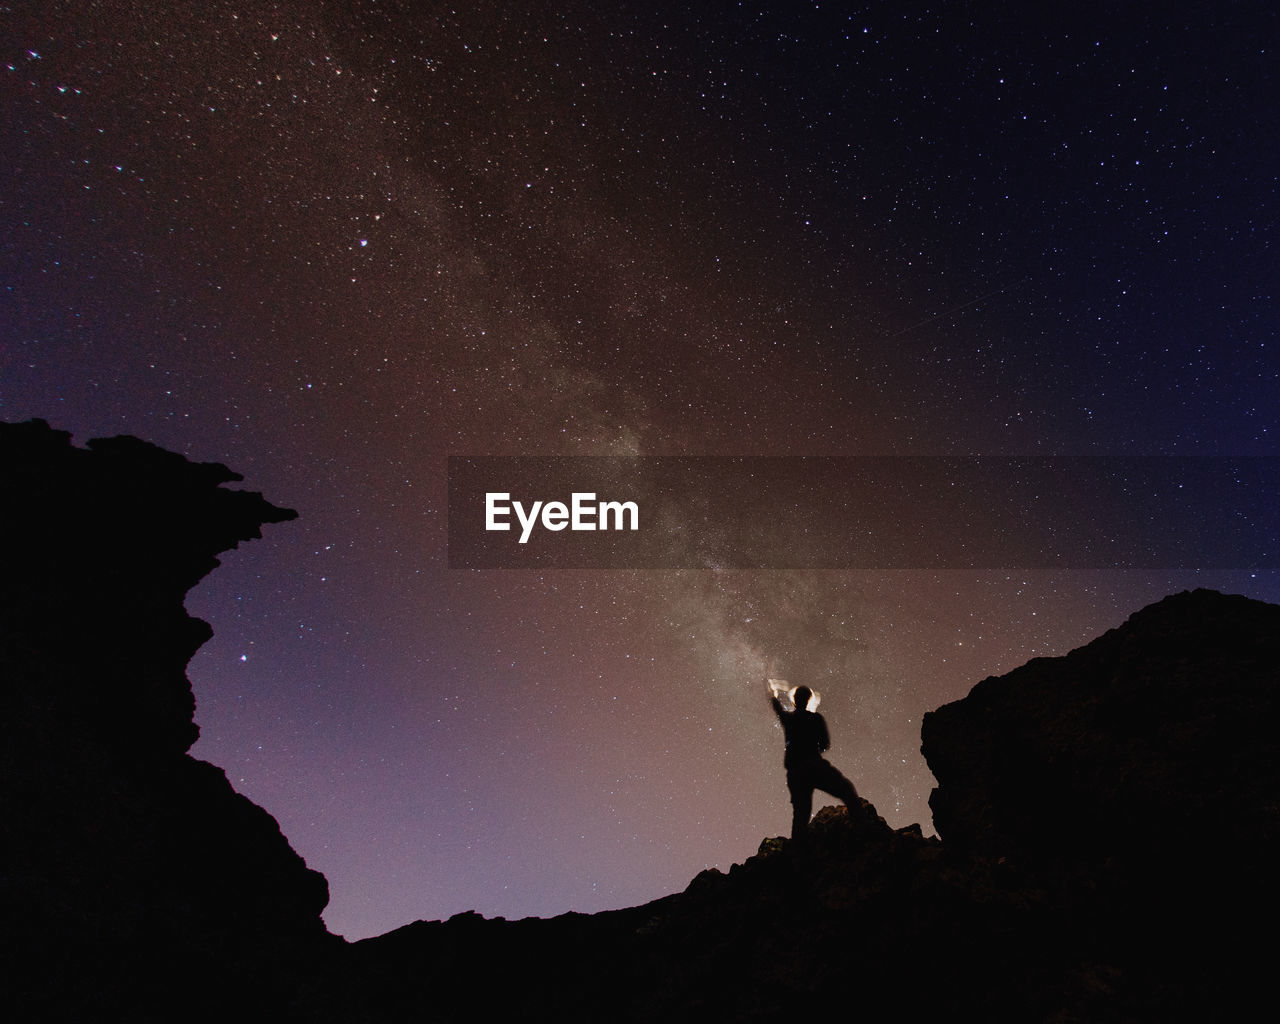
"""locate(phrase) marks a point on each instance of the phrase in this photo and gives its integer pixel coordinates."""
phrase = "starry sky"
(333, 244)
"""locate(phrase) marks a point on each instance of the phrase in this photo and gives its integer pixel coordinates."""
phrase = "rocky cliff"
(1155, 736)
(134, 881)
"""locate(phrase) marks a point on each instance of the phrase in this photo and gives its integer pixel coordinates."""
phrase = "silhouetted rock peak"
(140, 884)
(105, 543)
(1161, 732)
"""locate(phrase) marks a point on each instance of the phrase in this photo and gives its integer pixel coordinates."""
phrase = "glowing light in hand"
(786, 693)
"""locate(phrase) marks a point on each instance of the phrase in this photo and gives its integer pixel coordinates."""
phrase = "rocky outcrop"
(134, 881)
(869, 923)
(1134, 783)
(1154, 740)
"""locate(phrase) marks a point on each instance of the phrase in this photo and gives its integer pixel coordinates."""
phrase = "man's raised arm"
(773, 699)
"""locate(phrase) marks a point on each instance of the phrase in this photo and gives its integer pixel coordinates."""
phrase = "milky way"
(331, 245)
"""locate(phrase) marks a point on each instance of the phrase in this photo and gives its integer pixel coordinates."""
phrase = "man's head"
(801, 696)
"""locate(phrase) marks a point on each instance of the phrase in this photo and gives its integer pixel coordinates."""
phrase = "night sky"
(332, 244)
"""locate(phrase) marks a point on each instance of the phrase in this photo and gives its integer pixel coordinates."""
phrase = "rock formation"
(1154, 736)
(134, 881)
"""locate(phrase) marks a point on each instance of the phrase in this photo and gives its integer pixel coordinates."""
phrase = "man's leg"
(801, 804)
(828, 779)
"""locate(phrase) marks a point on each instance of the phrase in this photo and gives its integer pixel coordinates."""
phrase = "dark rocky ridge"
(1108, 823)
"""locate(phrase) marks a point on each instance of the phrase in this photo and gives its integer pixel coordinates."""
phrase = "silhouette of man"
(807, 769)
